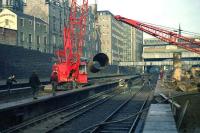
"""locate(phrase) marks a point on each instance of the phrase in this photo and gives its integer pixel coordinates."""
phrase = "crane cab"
(82, 77)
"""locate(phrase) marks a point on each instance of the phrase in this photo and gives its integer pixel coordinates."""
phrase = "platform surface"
(22, 102)
(160, 119)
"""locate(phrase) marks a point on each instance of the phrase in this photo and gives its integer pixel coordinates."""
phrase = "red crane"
(69, 66)
(164, 35)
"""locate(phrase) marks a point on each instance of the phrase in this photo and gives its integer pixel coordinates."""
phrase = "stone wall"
(22, 62)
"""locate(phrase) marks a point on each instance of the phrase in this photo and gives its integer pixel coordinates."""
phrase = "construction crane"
(163, 34)
(70, 67)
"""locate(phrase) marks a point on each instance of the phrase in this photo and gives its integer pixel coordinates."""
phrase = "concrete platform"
(160, 119)
(42, 97)
(26, 101)
(14, 112)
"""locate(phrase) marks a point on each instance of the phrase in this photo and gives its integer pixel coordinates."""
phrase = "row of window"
(31, 23)
(30, 38)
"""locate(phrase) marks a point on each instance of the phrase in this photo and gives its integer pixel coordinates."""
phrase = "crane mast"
(69, 65)
(163, 34)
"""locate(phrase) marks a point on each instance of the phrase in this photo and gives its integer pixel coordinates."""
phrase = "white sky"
(168, 13)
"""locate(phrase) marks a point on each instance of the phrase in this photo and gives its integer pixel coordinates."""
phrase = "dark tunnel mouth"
(101, 58)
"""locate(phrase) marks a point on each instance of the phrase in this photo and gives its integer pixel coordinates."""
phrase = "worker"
(161, 75)
(149, 81)
(34, 82)
(129, 85)
(143, 80)
(9, 82)
(54, 82)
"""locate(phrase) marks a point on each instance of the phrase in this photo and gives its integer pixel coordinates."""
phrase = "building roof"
(106, 12)
(26, 16)
(30, 17)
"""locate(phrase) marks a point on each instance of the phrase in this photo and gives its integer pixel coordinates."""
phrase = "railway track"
(54, 119)
(123, 120)
(124, 110)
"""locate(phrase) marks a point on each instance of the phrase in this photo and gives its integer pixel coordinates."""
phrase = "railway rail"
(56, 119)
(124, 110)
(121, 120)
(62, 115)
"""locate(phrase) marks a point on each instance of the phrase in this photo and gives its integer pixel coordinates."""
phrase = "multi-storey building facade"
(128, 52)
(157, 50)
(23, 30)
(134, 44)
(138, 43)
(52, 12)
(91, 46)
(15, 5)
(121, 42)
(56, 14)
(112, 37)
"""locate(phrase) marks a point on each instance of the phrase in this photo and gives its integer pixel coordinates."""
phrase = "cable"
(173, 29)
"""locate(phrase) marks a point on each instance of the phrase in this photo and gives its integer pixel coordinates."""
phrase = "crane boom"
(163, 34)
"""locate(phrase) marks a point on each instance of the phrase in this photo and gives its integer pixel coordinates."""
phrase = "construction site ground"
(188, 99)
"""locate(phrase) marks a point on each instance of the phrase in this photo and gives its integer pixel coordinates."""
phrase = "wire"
(173, 29)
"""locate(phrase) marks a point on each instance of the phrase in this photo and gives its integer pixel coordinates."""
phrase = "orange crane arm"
(164, 35)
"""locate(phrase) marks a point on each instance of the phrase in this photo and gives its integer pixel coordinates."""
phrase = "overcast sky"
(168, 13)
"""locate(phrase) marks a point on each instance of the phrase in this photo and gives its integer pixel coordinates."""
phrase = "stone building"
(53, 13)
(134, 44)
(157, 50)
(92, 45)
(15, 5)
(121, 42)
(112, 37)
(56, 14)
(137, 40)
(23, 30)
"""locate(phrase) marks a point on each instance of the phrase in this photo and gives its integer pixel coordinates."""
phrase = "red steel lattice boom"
(164, 35)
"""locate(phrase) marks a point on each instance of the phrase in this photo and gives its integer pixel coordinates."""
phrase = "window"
(30, 22)
(21, 22)
(30, 38)
(54, 23)
(46, 1)
(45, 28)
(54, 39)
(25, 2)
(89, 38)
(38, 40)
(7, 21)
(38, 24)
(45, 40)
(21, 36)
